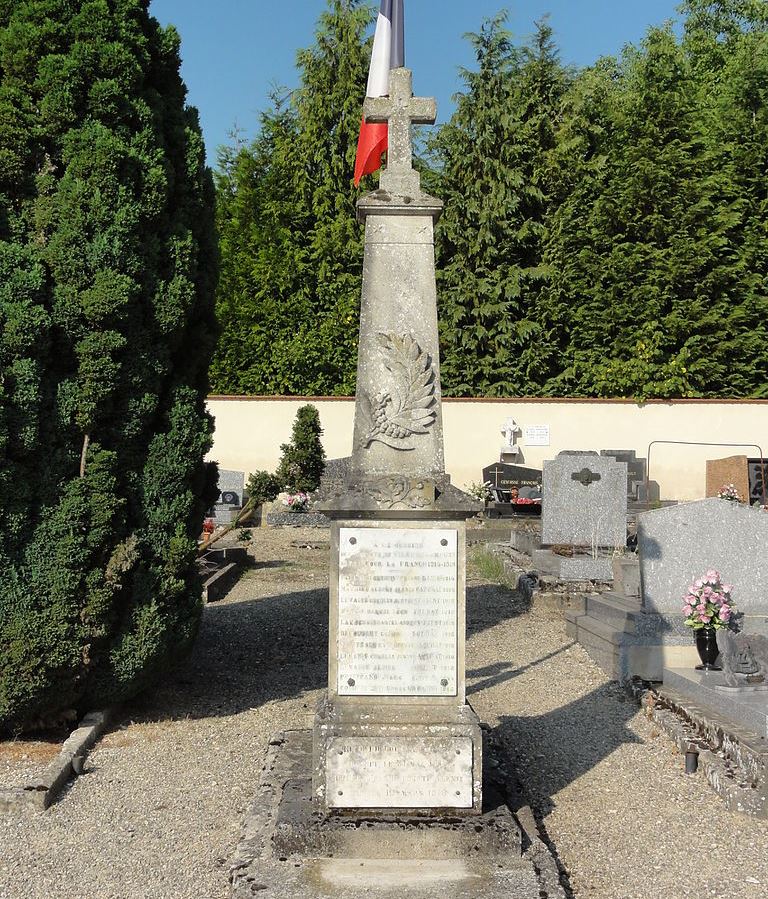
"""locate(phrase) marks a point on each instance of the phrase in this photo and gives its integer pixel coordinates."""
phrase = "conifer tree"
(649, 281)
(495, 177)
(303, 459)
(291, 246)
(107, 271)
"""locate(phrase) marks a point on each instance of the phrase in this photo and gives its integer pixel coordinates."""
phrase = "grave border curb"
(686, 725)
(39, 792)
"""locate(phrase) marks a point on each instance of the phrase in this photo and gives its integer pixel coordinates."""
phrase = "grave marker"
(394, 733)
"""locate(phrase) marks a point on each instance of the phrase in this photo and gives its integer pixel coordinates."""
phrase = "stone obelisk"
(394, 734)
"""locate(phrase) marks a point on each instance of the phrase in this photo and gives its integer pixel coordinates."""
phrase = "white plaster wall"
(249, 432)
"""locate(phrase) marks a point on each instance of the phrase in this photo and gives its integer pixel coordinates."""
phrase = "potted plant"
(708, 606)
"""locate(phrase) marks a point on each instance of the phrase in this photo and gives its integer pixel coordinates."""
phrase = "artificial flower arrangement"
(729, 492)
(483, 492)
(297, 502)
(708, 602)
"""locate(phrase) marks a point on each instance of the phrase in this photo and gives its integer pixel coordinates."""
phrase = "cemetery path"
(157, 813)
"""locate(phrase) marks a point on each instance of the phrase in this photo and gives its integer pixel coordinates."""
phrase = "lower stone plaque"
(399, 772)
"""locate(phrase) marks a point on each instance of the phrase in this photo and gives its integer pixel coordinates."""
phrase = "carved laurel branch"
(398, 491)
(396, 416)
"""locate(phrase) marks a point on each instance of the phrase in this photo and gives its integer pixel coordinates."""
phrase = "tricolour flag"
(388, 53)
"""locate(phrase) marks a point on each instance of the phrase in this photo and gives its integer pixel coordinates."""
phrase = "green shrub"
(107, 275)
(262, 487)
(303, 460)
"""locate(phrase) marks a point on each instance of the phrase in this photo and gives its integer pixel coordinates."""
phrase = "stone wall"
(472, 433)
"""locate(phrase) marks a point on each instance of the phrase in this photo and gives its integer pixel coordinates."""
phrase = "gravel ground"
(158, 811)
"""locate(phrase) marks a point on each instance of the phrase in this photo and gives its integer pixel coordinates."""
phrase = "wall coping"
(491, 400)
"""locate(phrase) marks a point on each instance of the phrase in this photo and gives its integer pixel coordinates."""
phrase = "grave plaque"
(399, 772)
(502, 476)
(397, 612)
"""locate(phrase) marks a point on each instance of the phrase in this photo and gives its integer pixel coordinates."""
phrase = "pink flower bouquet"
(708, 602)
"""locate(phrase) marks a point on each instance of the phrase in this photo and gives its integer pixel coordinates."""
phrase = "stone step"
(614, 610)
(603, 643)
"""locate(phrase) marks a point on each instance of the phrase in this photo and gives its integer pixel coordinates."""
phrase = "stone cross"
(585, 476)
(400, 109)
(496, 471)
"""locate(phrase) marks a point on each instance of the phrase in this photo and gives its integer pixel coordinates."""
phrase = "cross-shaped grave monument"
(394, 734)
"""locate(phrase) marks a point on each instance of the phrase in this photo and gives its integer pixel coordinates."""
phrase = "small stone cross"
(400, 109)
(496, 471)
(585, 476)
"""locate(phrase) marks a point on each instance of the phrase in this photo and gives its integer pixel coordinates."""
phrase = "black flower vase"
(706, 646)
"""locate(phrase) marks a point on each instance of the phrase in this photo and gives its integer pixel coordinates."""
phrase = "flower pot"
(706, 646)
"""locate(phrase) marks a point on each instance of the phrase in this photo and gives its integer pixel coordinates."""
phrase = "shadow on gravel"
(551, 751)
(500, 672)
(247, 653)
(260, 650)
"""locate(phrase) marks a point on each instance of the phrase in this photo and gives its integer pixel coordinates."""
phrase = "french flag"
(388, 53)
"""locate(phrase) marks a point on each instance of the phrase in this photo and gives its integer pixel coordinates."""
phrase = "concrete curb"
(41, 792)
(724, 763)
(540, 855)
(218, 584)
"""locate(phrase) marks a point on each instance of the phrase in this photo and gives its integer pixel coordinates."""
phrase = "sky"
(235, 51)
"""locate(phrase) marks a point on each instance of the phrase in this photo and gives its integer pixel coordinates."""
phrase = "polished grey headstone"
(680, 543)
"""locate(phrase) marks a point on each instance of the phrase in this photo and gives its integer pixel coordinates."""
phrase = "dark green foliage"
(658, 283)
(494, 176)
(604, 233)
(303, 459)
(291, 248)
(263, 486)
(107, 273)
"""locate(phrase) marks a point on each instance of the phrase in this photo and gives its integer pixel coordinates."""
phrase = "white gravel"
(158, 811)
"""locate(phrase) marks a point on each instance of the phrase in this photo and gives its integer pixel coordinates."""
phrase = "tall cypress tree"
(292, 249)
(107, 272)
(495, 176)
(651, 284)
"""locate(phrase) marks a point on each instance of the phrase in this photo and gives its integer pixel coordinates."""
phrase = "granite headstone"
(231, 496)
(757, 470)
(506, 477)
(680, 543)
(636, 472)
(584, 500)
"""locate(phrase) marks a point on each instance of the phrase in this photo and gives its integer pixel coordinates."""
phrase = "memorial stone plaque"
(397, 612)
(399, 772)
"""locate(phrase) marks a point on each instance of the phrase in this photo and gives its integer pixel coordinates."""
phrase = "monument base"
(385, 759)
(288, 851)
(579, 567)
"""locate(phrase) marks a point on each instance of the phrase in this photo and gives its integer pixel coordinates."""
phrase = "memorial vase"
(706, 646)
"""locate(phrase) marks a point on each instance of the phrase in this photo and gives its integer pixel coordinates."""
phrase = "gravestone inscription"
(397, 612)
